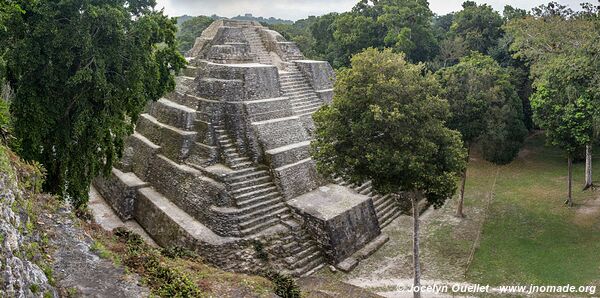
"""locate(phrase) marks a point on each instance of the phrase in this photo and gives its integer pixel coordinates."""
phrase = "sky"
(299, 9)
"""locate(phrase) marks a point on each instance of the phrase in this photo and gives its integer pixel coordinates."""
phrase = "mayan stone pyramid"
(222, 165)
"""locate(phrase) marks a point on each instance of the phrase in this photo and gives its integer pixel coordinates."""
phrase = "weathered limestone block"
(233, 52)
(191, 191)
(308, 124)
(175, 143)
(120, 190)
(280, 132)
(289, 154)
(275, 42)
(319, 74)
(173, 114)
(325, 95)
(227, 34)
(221, 89)
(185, 99)
(340, 220)
(144, 153)
(170, 226)
(289, 51)
(268, 109)
(259, 81)
(297, 178)
(205, 39)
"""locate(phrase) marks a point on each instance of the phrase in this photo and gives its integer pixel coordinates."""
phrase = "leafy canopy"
(485, 106)
(566, 101)
(387, 124)
(82, 72)
(191, 29)
(562, 47)
(480, 26)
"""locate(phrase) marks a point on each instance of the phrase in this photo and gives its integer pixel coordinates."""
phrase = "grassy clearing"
(530, 236)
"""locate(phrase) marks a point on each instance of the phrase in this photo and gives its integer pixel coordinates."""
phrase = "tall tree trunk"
(569, 201)
(589, 182)
(461, 193)
(416, 265)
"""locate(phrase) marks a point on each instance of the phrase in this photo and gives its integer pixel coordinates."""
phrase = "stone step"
(190, 71)
(302, 87)
(381, 200)
(157, 214)
(388, 218)
(231, 153)
(248, 222)
(305, 263)
(250, 182)
(284, 78)
(302, 94)
(262, 226)
(310, 104)
(303, 97)
(173, 114)
(300, 254)
(246, 174)
(258, 199)
(383, 212)
(175, 143)
(252, 188)
(256, 193)
(383, 206)
(226, 144)
(242, 165)
(259, 212)
(367, 192)
(261, 205)
(364, 186)
(238, 160)
(306, 111)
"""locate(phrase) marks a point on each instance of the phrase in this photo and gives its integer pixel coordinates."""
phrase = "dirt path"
(76, 267)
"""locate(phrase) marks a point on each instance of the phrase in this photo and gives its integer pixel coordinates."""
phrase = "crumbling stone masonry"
(222, 165)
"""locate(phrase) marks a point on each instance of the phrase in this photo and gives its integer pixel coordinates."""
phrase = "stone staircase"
(256, 46)
(251, 185)
(302, 96)
(386, 207)
(303, 254)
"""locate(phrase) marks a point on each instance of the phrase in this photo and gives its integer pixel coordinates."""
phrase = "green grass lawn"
(529, 236)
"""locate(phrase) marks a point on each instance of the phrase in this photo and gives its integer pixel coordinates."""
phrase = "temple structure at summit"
(222, 165)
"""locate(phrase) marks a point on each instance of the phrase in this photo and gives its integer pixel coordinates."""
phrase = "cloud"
(298, 9)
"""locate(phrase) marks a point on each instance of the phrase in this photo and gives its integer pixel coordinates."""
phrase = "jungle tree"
(387, 124)
(553, 31)
(564, 106)
(484, 108)
(82, 72)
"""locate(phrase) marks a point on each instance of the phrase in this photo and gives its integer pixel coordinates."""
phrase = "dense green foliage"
(564, 105)
(562, 48)
(82, 72)
(479, 26)
(402, 25)
(485, 106)
(284, 285)
(189, 30)
(386, 124)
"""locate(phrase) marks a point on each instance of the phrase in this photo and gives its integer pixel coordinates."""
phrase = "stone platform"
(341, 221)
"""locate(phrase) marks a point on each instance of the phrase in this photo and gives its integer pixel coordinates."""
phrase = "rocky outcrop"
(43, 251)
(20, 276)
